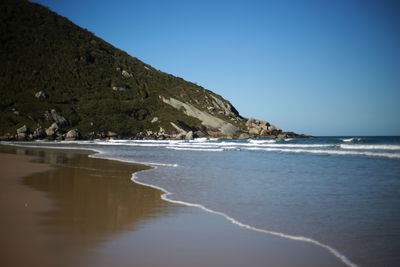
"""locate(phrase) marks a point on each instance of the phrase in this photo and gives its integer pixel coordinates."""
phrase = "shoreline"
(226, 219)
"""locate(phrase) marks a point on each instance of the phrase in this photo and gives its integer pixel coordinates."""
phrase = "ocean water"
(340, 193)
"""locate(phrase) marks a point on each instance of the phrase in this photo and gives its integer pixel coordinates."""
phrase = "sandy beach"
(63, 208)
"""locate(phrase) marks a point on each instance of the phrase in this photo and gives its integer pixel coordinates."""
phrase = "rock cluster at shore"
(253, 129)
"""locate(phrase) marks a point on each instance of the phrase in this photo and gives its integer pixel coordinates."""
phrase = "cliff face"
(61, 81)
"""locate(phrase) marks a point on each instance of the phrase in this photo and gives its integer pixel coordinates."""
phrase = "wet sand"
(66, 209)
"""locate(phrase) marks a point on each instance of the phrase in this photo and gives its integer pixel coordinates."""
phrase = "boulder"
(39, 133)
(40, 95)
(228, 129)
(22, 130)
(22, 133)
(244, 136)
(161, 137)
(72, 135)
(60, 120)
(265, 132)
(254, 131)
(126, 74)
(22, 136)
(180, 136)
(250, 121)
(189, 135)
(119, 88)
(273, 128)
(179, 129)
(111, 134)
(282, 135)
(52, 130)
(200, 134)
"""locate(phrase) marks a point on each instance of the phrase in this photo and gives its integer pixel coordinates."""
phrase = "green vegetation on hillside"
(94, 85)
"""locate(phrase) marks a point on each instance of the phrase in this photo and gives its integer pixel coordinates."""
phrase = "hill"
(59, 81)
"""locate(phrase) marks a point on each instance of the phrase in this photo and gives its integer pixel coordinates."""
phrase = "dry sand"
(66, 209)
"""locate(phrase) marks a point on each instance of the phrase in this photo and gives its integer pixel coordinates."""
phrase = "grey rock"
(39, 133)
(273, 128)
(180, 136)
(52, 130)
(189, 135)
(206, 119)
(161, 137)
(254, 131)
(250, 121)
(22, 136)
(120, 88)
(179, 129)
(72, 135)
(263, 123)
(22, 130)
(224, 106)
(126, 74)
(57, 118)
(40, 95)
(244, 136)
(228, 129)
(265, 132)
(111, 134)
(282, 135)
(200, 134)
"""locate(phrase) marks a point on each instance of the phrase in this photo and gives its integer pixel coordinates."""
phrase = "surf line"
(165, 195)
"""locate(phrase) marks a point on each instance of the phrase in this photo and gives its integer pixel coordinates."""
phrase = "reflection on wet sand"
(94, 200)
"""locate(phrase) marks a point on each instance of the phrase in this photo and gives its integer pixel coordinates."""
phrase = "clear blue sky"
(317, 67)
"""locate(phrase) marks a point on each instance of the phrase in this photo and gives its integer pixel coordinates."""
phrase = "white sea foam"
(261, 141)
(371, 147)
(201, 139)
(166, 194)
(196, 149)
(151, 164)
(333, 152)
(347, 139)
(237, 144)
(353, 139)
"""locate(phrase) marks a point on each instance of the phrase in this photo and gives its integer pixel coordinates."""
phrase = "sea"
(339, 193)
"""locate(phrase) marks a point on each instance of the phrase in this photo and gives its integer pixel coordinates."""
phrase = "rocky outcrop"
(72, 135)
(52, 130)
(260, 128)
(22, 133)
(224, 106)
(244, 136)
(110, 134)
(40, 95)
(55, 117)
(39, 133)
(214, 125)
(189, 135)
(126, 74)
